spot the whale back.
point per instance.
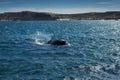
(57, 42)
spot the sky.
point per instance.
(60, 6)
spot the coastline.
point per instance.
(37, 16)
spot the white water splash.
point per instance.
(41, 38)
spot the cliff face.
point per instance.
(27, 16)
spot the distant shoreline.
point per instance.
(37, 16)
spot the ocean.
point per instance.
(93, 53)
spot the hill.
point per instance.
(29, 16)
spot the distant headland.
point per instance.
(31, 16)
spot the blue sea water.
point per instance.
(93, 54)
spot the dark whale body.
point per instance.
(57, 42)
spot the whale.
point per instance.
(57, 42)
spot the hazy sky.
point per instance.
(60, 6)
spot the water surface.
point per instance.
(94, 53)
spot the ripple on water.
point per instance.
(93, 55)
